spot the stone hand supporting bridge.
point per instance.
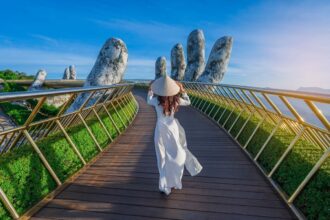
(123, 182)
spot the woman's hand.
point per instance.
(150, 84)
(181, 87)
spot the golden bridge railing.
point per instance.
(267, 105)
(50, 83)
(97, 101)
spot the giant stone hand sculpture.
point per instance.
(66, 74)
(73, 72)
(195, 55)
(70, 73)
(108, 69)
(217, 63)
(38, 80)
(178, 63)
(160, 67)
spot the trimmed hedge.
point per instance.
(314, 200)
(26, 181)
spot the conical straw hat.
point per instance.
(165, 86)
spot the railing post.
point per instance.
(228, 105)
(123, 108)
(8, 205)
(223, 105)
(63, 108)
(89, 131)
(111, 119)
(42, 157)
(243, 126)
(236, 119)
(254, 132)
(286, 152)
(121, 120)
(133, 103)
(233, 104)
(28, 121)
(309, 175)
(80, 109)
(70, 141)
(268, 139)
(202, 95)
(318, 114)
(129, 106)
(102, 124)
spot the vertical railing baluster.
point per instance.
(268, 139)
(67, 137)
(42, 157)
(12, 211)
(309, 175)
(286, 152)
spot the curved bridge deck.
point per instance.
(123, 182)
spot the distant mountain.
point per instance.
(314, 89)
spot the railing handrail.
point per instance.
(12, 96)
(53, 83)
(318, 97)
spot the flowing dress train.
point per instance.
(171, 147)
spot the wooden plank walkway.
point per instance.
(123, 182)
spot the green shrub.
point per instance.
(12, 87)
(20, 112)
(60, 155)
(314, 200)
(24, 178)
(99, 133)
(83, 142)
(13, 75)
(4, 214)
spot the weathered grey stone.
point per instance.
(195, 55)
(70, 73)
(108, 69)
(110, 65)
(66, 74)
(38, 80)
(160, 67)
(218, 61)
(178, 63)
(73, 73)
(57, 101)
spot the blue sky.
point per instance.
(280, 44)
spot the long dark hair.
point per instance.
(169, 103)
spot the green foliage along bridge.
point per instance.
(262, 159)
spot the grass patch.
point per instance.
(314, 200)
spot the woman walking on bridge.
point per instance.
(169, 137)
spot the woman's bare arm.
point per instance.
(184, 100)
(151, 100)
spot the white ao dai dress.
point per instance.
(171, 147)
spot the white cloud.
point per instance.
(21, 56)
(46, 39)
(284, 46)
(149, 30)
(30, 60)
